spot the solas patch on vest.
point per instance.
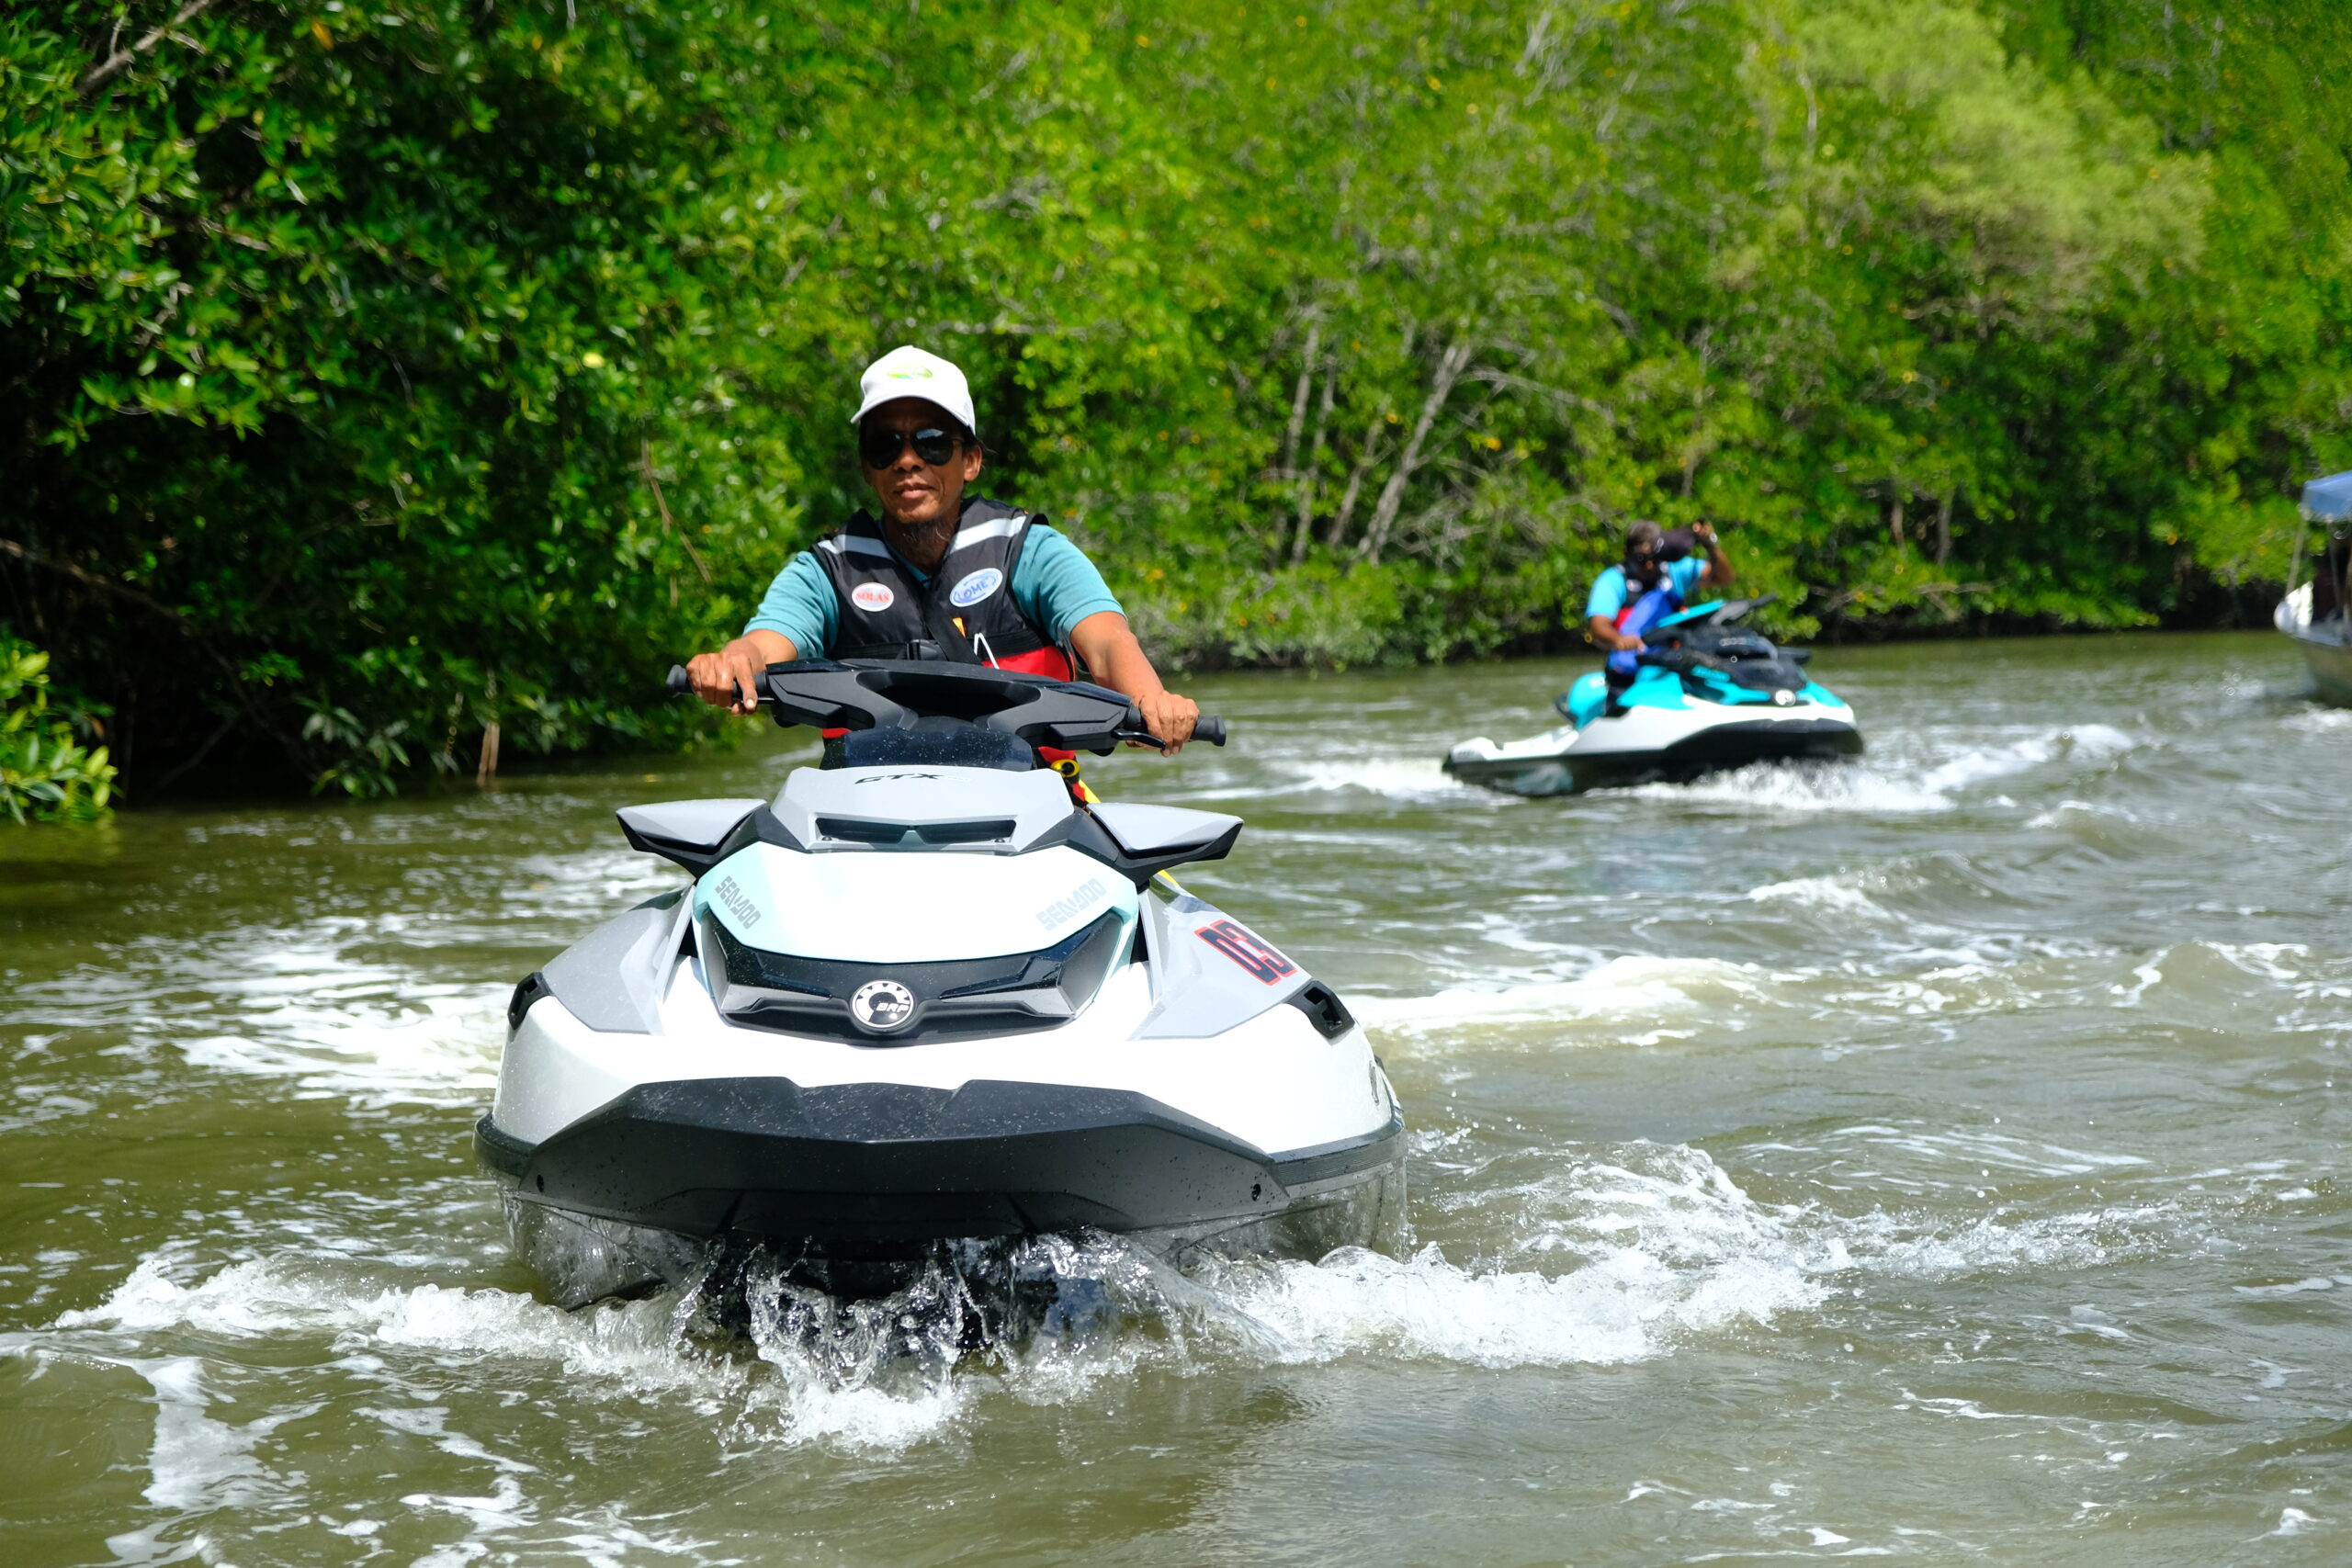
(873, 597)
(976, 587)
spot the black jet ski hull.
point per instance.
(639, 1192)
(1574, 770)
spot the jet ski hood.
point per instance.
(923, 807)
(847, 889)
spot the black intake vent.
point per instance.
(953, 998)
(928, 835)
(532, 988)
(1323, 1006)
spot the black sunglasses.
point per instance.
(879, 448)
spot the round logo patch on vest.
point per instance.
(873, 596)
(975, 587)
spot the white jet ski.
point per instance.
(1707, 694)
(923, 995)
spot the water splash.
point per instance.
(1633, 988)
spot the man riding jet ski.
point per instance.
(1685, 692)
(977, 580)
(923, 994)
(930, 991)
(1661, 574)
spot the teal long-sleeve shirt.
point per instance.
(1054, 584)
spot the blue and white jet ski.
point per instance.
(1707, 693)
(924, 995)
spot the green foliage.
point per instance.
(46, 772)
(370, 360)
(386, 376)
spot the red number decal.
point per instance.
(1246, 950)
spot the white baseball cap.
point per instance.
(908, 372)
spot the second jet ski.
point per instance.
(1707, 693)
(931, 992)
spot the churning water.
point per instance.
(1937, 1157)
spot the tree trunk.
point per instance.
(1450, 367)
(1364, 461)
(1306, 477)
(1298, 401)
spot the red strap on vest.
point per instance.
(1048, 662)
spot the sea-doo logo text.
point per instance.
(739, 903)
(1241, 944)
(874, 596)
(1061, 912)
(882, 1006)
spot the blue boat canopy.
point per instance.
(2330, 499)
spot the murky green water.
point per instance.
(1937, 1158)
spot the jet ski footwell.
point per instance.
(638, 1193)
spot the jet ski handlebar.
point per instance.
(898, 694)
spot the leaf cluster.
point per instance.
(47, 772)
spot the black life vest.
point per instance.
(965, 610)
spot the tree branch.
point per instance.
(669, 525)
(123, 591)
(121, 59)
(1306, 477)
(92, 579)
(1450, 364)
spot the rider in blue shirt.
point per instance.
(969, 578)
(1655, 580)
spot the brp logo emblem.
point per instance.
(1785, 699)
(882, 1006)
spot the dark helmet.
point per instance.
(1649, 547)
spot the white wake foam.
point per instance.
(1834, 894)
(1602, 1258)
(2319, 721)
(1891, 783)
(1804, 787)
(1407, 779)
(1606, 1258)
(328, 1003)
(1634, 987)
(1626, 1309)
